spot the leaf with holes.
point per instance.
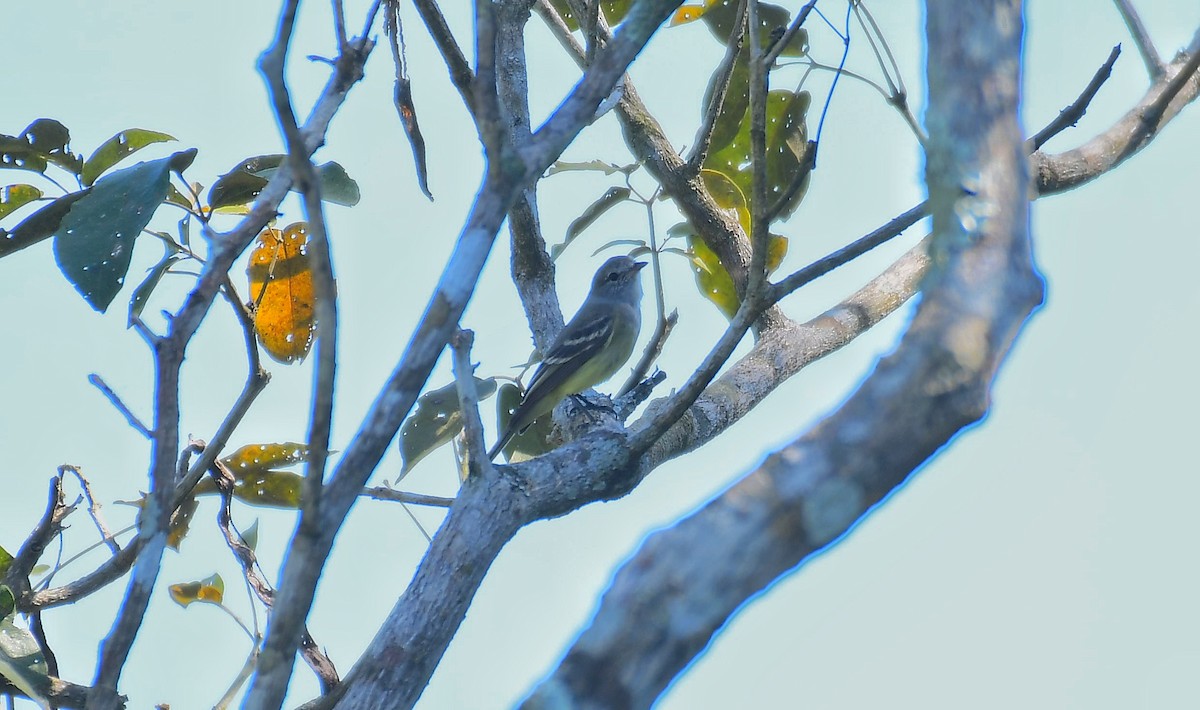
(436, 420)
(39, 225)
(116, 149)
(281, 287)
(256, 478)
(14, 197)
(94, 242)
(22, 662)
(773, 21)
(43, 143)
(210, 590)
(712, 278)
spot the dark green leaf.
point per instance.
(614, 11)
(535, 440)
(612, 197)
(773, 22)
(736, 100)
(8, 600)
(116, 149)
(435, 422)
(250, 535)
(14, 197)
(5, 560)
(242, 185)
(94, 242)
(43, 142)
(39, 225)
(336, 186)
(22, 662)
(147, 286)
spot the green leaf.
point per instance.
(210, 590)
(535, 440)
(639, 243)
(563, 166)
(14, 197)
(435, 421)
(39, 225)
(337, 186)
(116, 149)
(8, 600)
(250, 535)
(712, 278)
(733, 106)
(42, 143)
(242, 185)
(22, 662)
(786, 154)
(94, 242)
(720, 15)
(614, 11)
(5, 560)
(142, 293)
(612, 197)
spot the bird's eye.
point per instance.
(613, 276)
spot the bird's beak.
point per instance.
(639, 265)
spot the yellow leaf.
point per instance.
(686, 14)
(211, 589)
(281, 286)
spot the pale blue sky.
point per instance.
(1046, 560)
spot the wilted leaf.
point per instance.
(281, 286)
(613, 196)
(436, 420)
(210, 590)
(14, 197)
(43, 142)
(181, 520)
(564, 166)
(255, 458)
(94, 242)
(407, 110)
(116, 149)
(255, 478)
(241, 185)
(535, 440)
(22, 662)
(39, 225)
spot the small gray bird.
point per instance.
(590, 349)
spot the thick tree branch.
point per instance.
(1178, 86)
(934, 384)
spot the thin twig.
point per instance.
(1070, 115)
(781, 44)
(391, 494)
(721, 89)
(339, 23)
(460, 70)
(125, 411)
(93, 506)
(1133, 21)
(663, 323)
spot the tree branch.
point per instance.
(1145, 45)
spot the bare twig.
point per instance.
(93, 507)
(468, 401)
(1070, 115)
(125, 411)
(460, 71)
(721, 85)
(1150, 56)
(339, 23)
(663, 323)
(391, 494)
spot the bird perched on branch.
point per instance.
(590, 348)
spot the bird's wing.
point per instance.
(573, 347)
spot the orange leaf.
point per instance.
(281, 286)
